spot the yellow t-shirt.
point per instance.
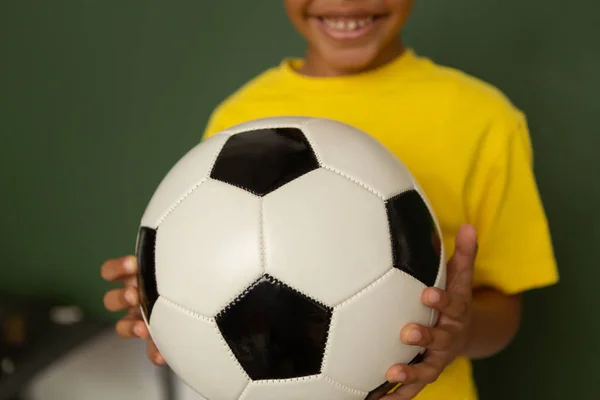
(462, 139)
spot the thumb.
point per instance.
(460, 266)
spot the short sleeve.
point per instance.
(215, 124)
(503, 201)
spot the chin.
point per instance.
(351, 60)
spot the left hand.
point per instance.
(445, 341)
(124, 269)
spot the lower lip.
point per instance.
(346, 35)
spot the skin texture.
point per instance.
(473, 323)
(326, 56)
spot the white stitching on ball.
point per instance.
(181, 308)
(366, 289)
(196, 186)
(345, 388)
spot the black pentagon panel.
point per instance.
(261, 161)
(147, 287)
(416, 244)
(276, 332)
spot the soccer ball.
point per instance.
(280, 259)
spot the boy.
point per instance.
(464, 141)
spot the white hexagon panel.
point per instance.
(349, 151)
(318, 387)
(195, 350)
(208, 250)
(364, 336)
(317, 226)
(192, 169)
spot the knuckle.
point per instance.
(429, 338)
(430, 377)
(448, 341)
(132, 282)
(443, 341)
(426, 342)
(454, 328)
(445, 299)
(464, 306)
(429, 374)
(461, 307)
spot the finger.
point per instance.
(405, 392)
(426, 372)
(134, 313)
(129, 328)
(460, 266)
(131, 281)
(416, 377)
(401, 373)
(450, 304)
(119, 268)
(120, 299)
(436, 339)
(153, 353)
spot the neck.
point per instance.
(316, 65)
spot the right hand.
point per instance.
(124, 269)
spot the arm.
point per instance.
(514, 253)
(495, 320)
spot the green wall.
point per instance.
(99, 98)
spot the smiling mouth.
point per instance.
(347, 24)
(346, 28)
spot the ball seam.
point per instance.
(330, 168)
(185, 310)
(344, 387)
(366, 288)
(263, 244)
(214, 326)
(195, 186)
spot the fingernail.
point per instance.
(158, 359)
(138, 330)
(414, 336)
(433, 296)
(129, 264)
(401, 377)
(130, 296)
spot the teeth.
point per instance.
(347, 24)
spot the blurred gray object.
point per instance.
(33, 336)
(108, 367)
